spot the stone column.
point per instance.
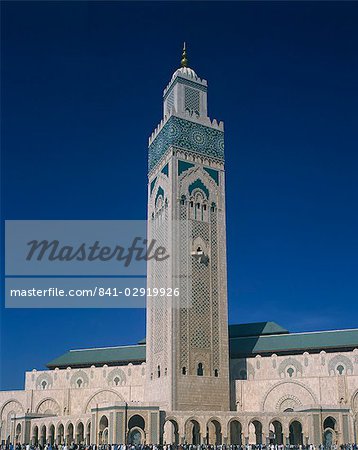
(315, 436)
(94, 429)
(154, 428)
(110, 429)
(286, 433)
(42, 439)
(119, 428)
(202, 437)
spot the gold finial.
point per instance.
(184, 59)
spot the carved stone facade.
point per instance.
(187, 337)
(281, 387)
(264, 401)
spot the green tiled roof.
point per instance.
(250, 329)
(293, 343)
(262, 338)
(100, 356)
(255, 329)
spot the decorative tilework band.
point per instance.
(188, 135)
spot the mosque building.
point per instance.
(194, 379)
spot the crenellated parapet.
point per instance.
(186, 115)
(186, 76)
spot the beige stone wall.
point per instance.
(72, 392)
(201, 393)
(311, 385)
(121, 377)
(277, 383)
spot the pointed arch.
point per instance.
(48, 405)
(11, 405)
(102, 396)
(190, 178)
(290, 388)
(354, 401)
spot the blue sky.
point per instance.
(81, 93)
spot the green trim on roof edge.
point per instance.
(99, 356)
(256, 329)
(293, 343)
(241, 346)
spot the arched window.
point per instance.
(295, 436)
(329, 422)
(216, 373)
(182, 200)
(136, 421)
(183, 370)
(158, 371)
(79, 382)
(290, 371)
(44, 384)
(340, 369)
(116, 381)
(200, 370)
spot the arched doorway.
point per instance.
(103, 431)
(136, 427)
(136, 436)
(192, 432)
(60, 434)
(328, 439)
(88, 433)
(255, 432)
(235, 432)
(213, 432)
(80, 431)
(35, 435)
(171, 432)
(329, 432)
(329, 422)
(296, 437)
(18, 438)
(69, 434)
(276, 435)
(43, 436)
(51, 435)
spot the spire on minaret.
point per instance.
(184, 59)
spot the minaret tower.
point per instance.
(187, 335)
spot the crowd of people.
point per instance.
(74, 446)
